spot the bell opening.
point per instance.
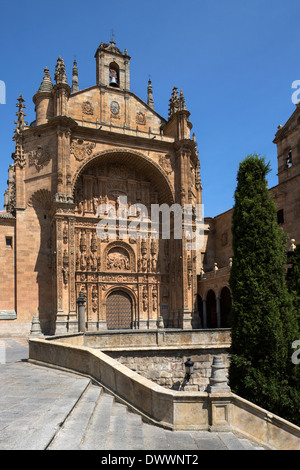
(113, 77)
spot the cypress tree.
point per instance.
(263, 319)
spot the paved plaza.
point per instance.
(43, 408)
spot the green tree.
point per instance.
(294, 279)
(263, 318)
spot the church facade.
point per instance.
(104, 156)
(98, 147)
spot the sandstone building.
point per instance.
(96, 146)
(87, 148)
(213, 288)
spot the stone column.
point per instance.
(81, 300)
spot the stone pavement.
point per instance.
(43, 408)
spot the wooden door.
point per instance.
(118, 311)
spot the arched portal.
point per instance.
(119, 311)
(225, 305)
(129, 261)
(211, 306)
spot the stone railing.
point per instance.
(217, 272)
(215, 411)
(163, 338)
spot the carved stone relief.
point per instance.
(39, 157)
(87, 108)
(81, 149)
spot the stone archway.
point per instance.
(211, 305)
(225, 306)
(119, 310)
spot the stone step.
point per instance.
(72, 432)
(231, 441)
(98, 422)
(135, 435)
(96, 433)
(117, 433)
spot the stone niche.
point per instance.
(166, 367)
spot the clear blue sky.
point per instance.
(234, 60)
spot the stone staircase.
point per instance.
(99, 422)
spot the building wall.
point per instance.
(7, 267)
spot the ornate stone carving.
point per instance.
(115, 108)
(80, 149)
(165, 163)
(140, 118)
(154, 298)
(117, 259)
(94, 299)
(87, 108)
(39, 158)
(145, 299)
(65, 235)
(65, 269)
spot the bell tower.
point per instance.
(112, 66)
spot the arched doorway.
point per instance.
(211, 306)
(119, 311)
(225, 304)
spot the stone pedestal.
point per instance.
(36, 328)
(218, 380)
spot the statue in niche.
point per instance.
(65, 268)
(144, 263)
(154, 298)
(145, 299)
(154, 264)
(83, 255)
(94, 299)
(95, 204)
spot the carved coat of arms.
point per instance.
(80, 149)
(39, 158)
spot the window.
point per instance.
(280, 217)
(289, 160)
(8, 241)
(114, 75)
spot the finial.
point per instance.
(46, 84)
(112, 41)
(174, 102)
(293, 246)
(75, 86)
(150, 101)
(181, 100)
(21, 123)
(60, 71)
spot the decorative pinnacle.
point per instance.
(20, 123)
(75, 85)
(177, 103)
(150, 101)
(60, 71)
(46, 85)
